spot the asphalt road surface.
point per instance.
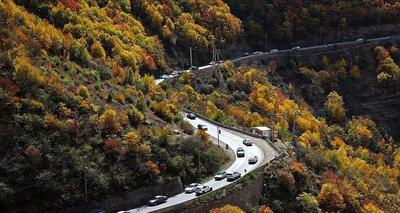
(239, 165)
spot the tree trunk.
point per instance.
(136, 6)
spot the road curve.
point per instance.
(240, 164)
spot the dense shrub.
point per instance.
(186, 127)
(26, 74)
(79, 53)
(113, 120)
(97, 50)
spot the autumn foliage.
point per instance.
(227, 209)
(341, 164)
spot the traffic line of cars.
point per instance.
(200, 189)
(178, 72)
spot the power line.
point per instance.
(366, 105)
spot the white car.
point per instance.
(164, 76)
(274, 50)
(232, 176)
(247, 142)
(253, 159)
(296, 48)
(193, 68)
(191, 187)
(202, 189)
(191, 116)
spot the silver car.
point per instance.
(232, 176)
(253, 159)
(296, 48)
(191, 187)
(240, 152)
(247, 142)
(157, 200)
(220, 176)
(201, 189)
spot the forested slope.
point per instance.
(316, 21)
(78, 100)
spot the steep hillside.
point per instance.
(76, 105)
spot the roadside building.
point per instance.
(262, 131)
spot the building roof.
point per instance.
(261, 128)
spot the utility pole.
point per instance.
(266, 42)
(218, 132)
(198, 147)
(293, 130)
(218, 55)
(84, 174)
(213, 56)
(191, 58)
(273, 128)
(195, 57)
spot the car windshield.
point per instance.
(193, 185)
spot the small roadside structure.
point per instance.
(262, 131)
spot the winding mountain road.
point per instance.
(265, 154)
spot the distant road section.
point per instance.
(294, 50)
